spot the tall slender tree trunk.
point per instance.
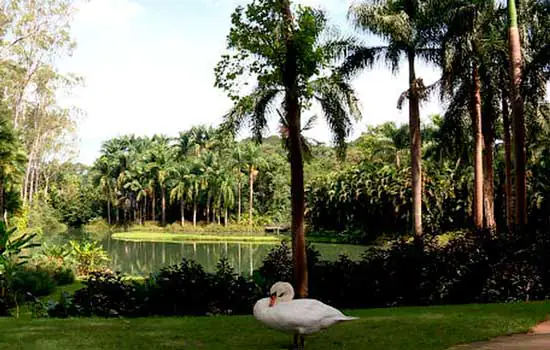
(508, 178)
(207, 209)
(32, 189)
(478, 150)
(144, 216)
(518, 118)
(182, 211)
(251, 193)
(153, 206)
(163, 203)
(416, 149)
(292, 106)
(239, 196)
(195, 213)
(488, 171)
(109, 211)
(225, 217)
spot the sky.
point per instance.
(148, 67)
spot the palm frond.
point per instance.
(358, 59)
(379, 19)
(252, 109)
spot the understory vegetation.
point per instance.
(465, 269)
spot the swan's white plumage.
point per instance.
(302, 316)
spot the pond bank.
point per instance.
(144, 236)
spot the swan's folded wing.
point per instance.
(307, 313)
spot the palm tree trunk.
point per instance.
(153, 206)
(292, 106)
(508, 187)
(416, 149)
(144, 216)
(207, 209)
(239, 195)
(225, 218)
(182, 210)
(163, 203)
(518, 118)
(195, 213)
(251, 194)
(109, 211)
(489, 172)
(475, 113)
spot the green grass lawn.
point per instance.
(195, 237)
(428, 328)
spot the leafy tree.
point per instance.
(12, 164)
(282, 48)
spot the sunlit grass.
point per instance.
(422, 328)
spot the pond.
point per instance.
(142, 258)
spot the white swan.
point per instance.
(300, 316)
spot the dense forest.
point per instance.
(481, 164)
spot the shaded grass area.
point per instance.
(195, 237)
(428, 328)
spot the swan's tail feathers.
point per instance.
(348, 318)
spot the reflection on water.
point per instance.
(142, 258)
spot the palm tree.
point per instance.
(196, 185)
(385, 142)
(238, 166)
(291, 58)
(103, 177)
(254, 161)
(161, 163)
(407, 26)
(180, 188)
(467, 55)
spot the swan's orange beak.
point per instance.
(272, 299)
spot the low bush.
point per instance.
(37, 282)
(183, 289)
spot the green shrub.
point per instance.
(37, 282)
(57, 260)
(89, 257)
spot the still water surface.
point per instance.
(142, 258)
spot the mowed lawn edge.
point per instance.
(422, 328)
